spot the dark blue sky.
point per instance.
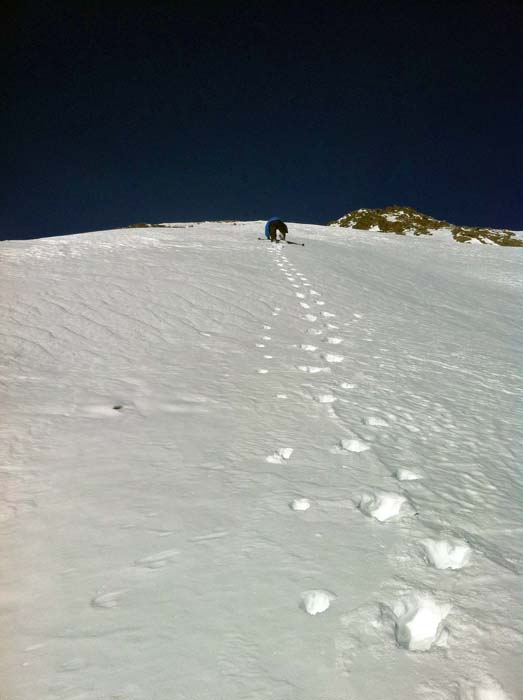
(172, 111)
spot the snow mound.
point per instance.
(300, 504)
(382, 505)
(418, 622)
(406, 475)
(316, 601)
(447, 554)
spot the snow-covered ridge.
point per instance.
(408, 221)
(234, 469)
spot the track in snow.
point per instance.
(250, 475)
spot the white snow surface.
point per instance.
(149, 550)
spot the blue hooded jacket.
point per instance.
(268, 225)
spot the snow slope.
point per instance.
(238, 470)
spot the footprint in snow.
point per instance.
(260, 345)
(353, 445)
(316, 601)
(280, 456)
(106, 600)
(311, 318)
(74, 664)
(326, 398)
(384, 505)
(314, 293)
(320, 303)
(184, 405)
(277, 308)
(403, 474)
(333, 341)
(330, 357)
(262, 371)
(157, 560)
(327, 314)
(266, 337)
(309, 348)
(113, 410)
(447, 554)
(346, 385)
(418, 621)
(281, 396)
(163, 533)
(304, 305)
(487, 689)
(268, 357)
(376, 421)
(267, 328)
(300, 504)
(314, 331)
(300, 295)
(313, 370)
(332, 327)
(209, 536)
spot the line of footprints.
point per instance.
(417, 619)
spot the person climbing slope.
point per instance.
(273, 227)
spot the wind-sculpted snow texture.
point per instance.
(232, 469)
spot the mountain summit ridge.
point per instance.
(404, 220)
